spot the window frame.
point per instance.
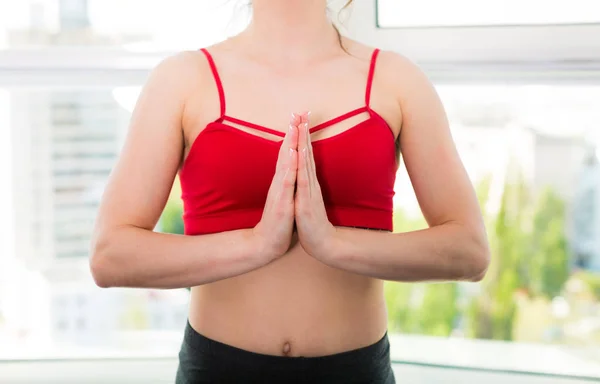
(539, 44)
(98, 68)
(416, 362)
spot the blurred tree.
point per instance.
(398, 299)
(529, 253)
(549, 263)
(429, 309)
(171, 220)
(438, 312)
(591, 281)
(491, 314)
(399, 296)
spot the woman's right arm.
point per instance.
(125, 250)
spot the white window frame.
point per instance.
(75, 67)
(553, 53)
(550, 53)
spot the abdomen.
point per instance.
(296, 299)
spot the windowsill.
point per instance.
(496, 355)
(553, 360)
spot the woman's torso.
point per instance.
(295, 301)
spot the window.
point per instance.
(463, 13)
(65, 143)
(542, 171)
(136, 25)
(532, 152)
(526, 126)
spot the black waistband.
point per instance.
(374, 354)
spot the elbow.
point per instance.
(478, 260)
(101, 263)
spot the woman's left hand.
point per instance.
(315, 232)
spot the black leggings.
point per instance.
(202, 360)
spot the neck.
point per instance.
(295, 29)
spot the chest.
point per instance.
(236, 168)
(252, 95)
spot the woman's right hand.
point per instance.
(274, 231)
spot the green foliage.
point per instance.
(420, 308)
(549, 263)
(483, 194)
(429, 309)
(398, 299)
(171, 220)
(592, 282)
(438, 312)
(529, 252)
(405, 223)
(492, 314)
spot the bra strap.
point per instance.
(257, 127)
(215, 73)
(370, 78)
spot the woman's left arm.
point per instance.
(455, 246)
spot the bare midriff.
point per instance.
(295, 306)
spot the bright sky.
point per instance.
(176, 24)
(485, 12)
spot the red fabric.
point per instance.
(228, 172)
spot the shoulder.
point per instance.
(392, 68)
(402, 73)
(410, 81)
(182, 71)
(407, 82)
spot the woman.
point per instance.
(288, 225)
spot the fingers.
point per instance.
(312, 170)
(303, 178)
(289, 144)
(289, 179)
(287, 164)
(303, 134)
(293, 131)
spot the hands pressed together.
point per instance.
(295, 197)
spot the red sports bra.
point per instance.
(226, 176)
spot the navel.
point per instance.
(287, 348)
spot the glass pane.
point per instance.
(138, 25)
(434, 13)
(532, 153)
(62, 145)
